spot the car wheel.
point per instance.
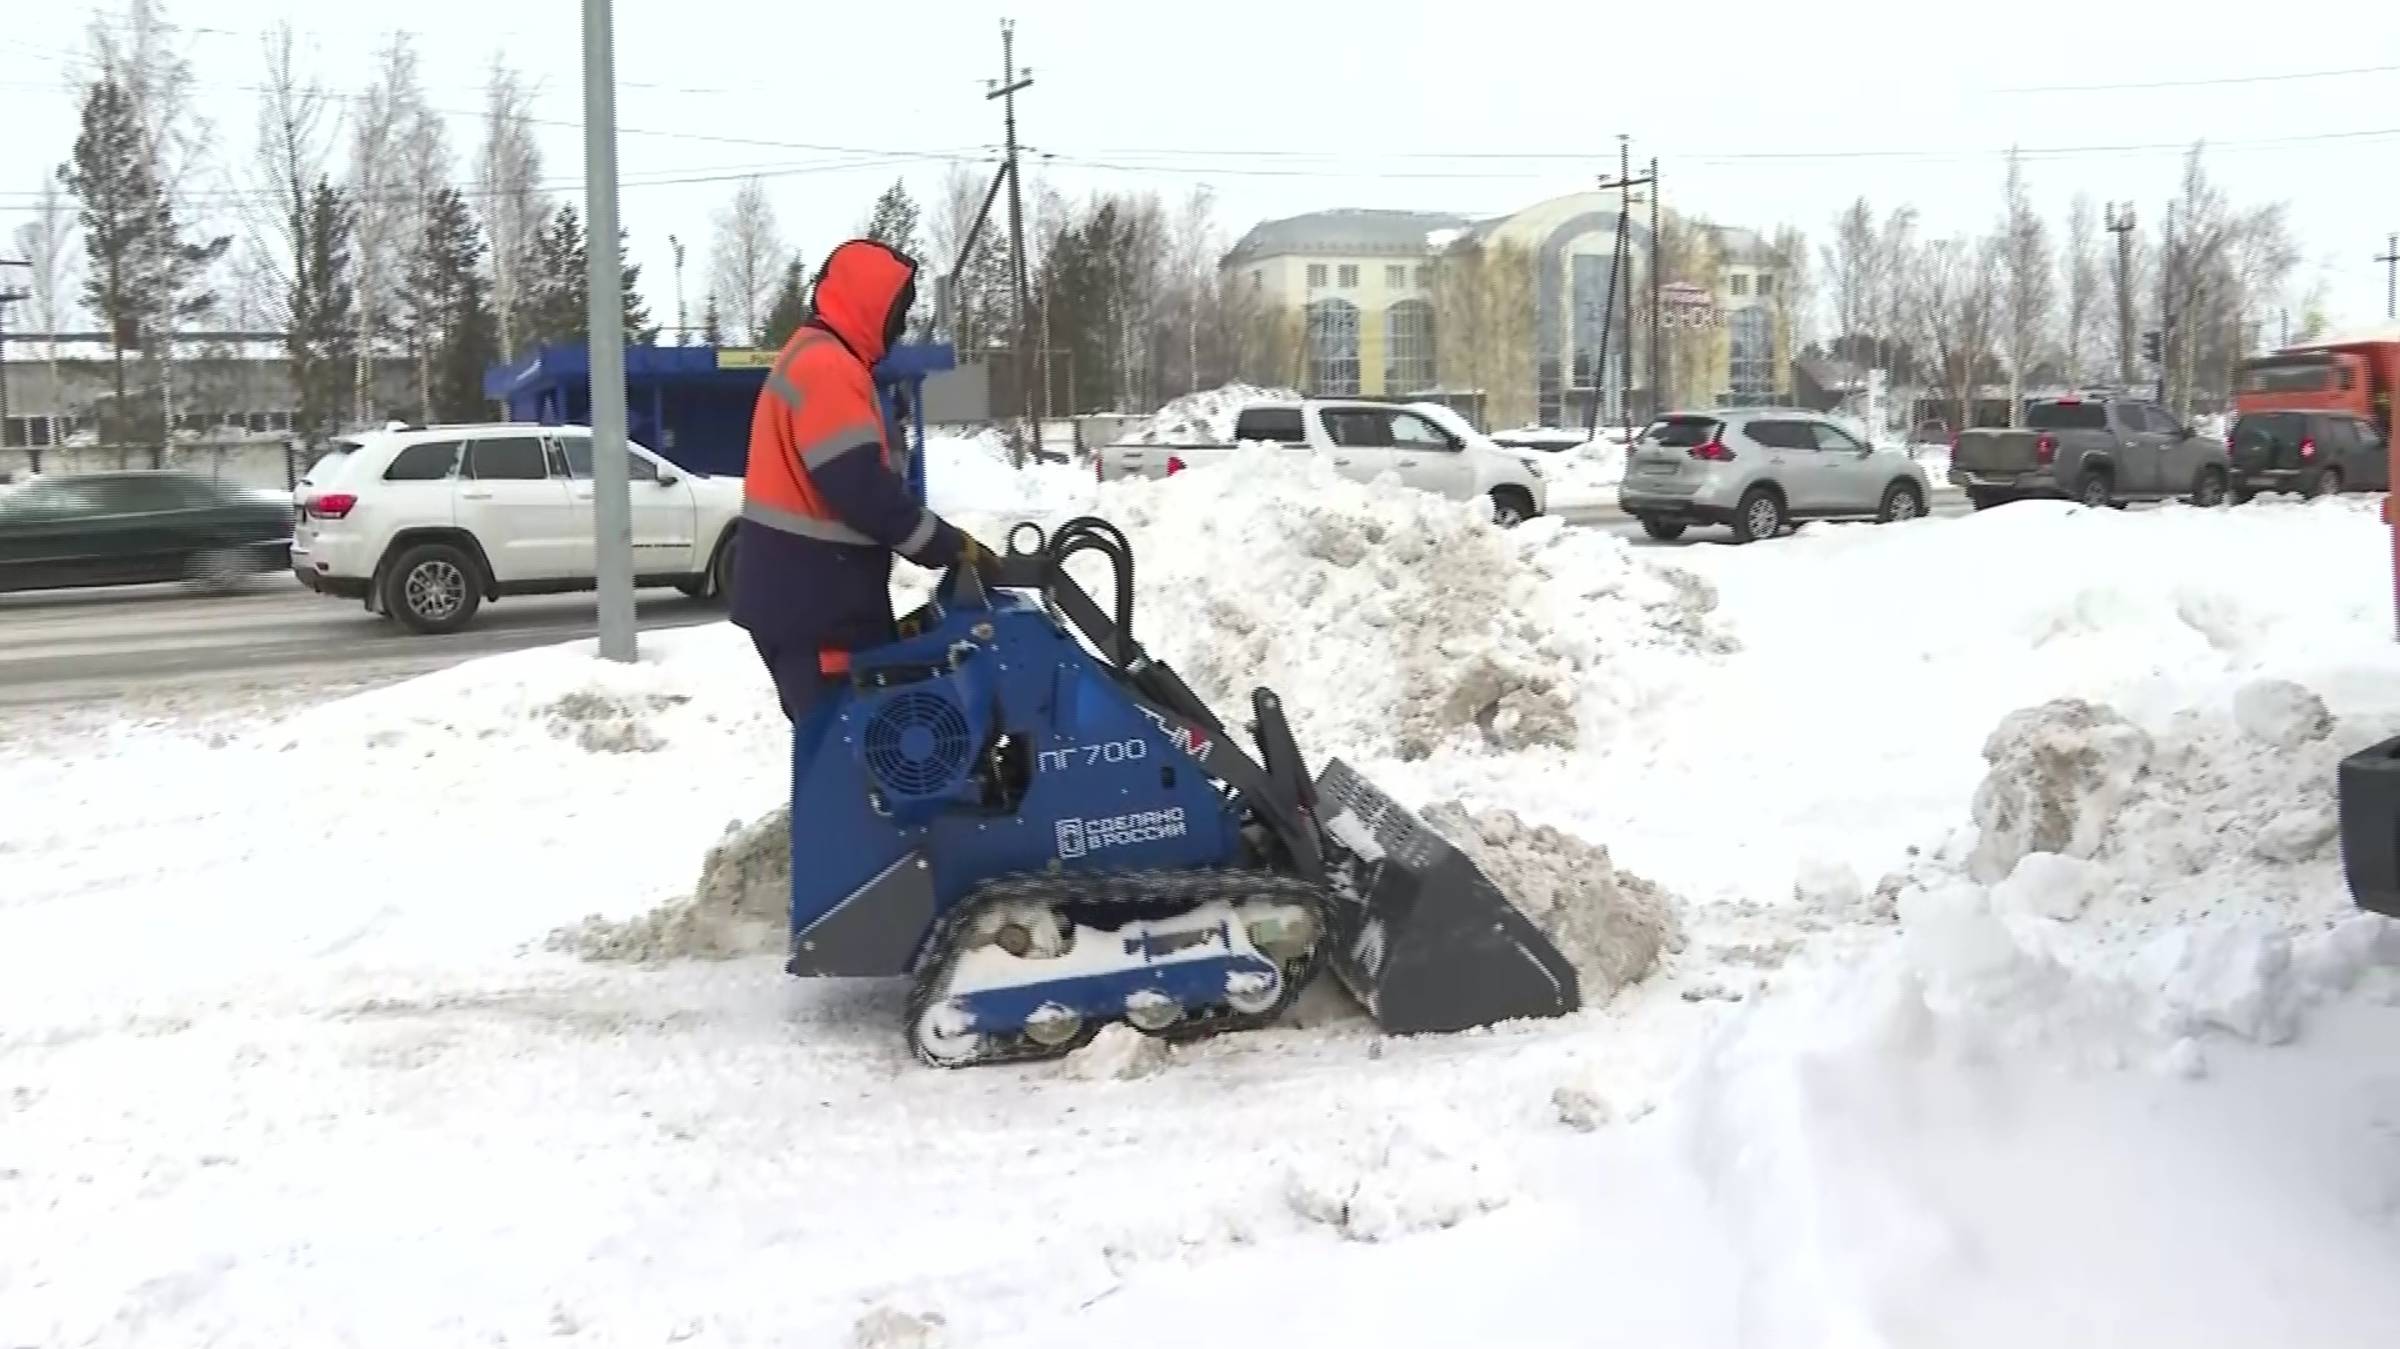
(2241, 494)
(217, 571)
(720, 572)
(1663, 529)
(1511, 507)
(2096, 490)
(1758, 516)
(2210, 489)
(2328, 482)
(1901, 501)
(1984, 501)
(433, 588)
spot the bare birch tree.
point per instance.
(2029, 285)
(748, 260)
(1850, 264)
(291, 158)
(1957, 301)
(509, 198)
(379, 187)
(2086, 273)
(144, 54)
(47, 242)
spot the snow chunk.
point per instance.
(2058, 773)
(1119, 1053)
(891, 1328)
(1611, 924)
(2281, 713)
(1408, 1177)
(2048, 885)
(741, 907)
(1581, 1106)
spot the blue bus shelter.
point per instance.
(692, 405)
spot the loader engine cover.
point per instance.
(991, 744)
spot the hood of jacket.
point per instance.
(863, 294)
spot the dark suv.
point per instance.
(2312, 453)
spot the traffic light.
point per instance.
(2150, 351)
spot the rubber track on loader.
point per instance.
(1101, 898)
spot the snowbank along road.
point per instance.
(64, 646)
(1999, 986)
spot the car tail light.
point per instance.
(332, 505)
(1714, 452)
(2045, 449)
(2308, 448)
(1175, 465)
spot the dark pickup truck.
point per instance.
(2099, 451)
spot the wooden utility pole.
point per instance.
(2120, 224)
(1623, 185)
(1011, 80)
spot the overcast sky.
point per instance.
(1760, 114)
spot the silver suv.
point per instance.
(1761, 470)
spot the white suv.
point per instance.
(426, 523)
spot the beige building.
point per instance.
(1506, 315)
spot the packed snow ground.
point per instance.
(2017, 999)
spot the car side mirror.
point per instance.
(666, 479)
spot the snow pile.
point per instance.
(741, 907)
(1204, 418)
(1412, 622)
(2227, 809)
(971, 476)
(1971, 1143)
(1612, 925)
(1403, 1177)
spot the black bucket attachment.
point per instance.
(1420, 935)
(2370, 793)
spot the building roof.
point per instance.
(1345, 231)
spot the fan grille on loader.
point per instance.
(917, 744)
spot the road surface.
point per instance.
(89, 646)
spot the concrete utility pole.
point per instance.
(612, 507)
(2390, 258)
(2120, 224)
(8, 297)
(1658, 385)
(1011, 80)
(683, 327)
(2166, 302)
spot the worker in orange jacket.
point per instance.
(823, 505)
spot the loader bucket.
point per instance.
(1420, 935)
(2368, 785)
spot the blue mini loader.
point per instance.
(1018, 808)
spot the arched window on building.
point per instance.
(1333, 348)
(1408, 347)
(1752, 356)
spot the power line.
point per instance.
(2207, 83)
(236, 196)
